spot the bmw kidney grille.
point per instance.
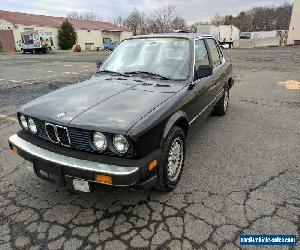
(58, 134)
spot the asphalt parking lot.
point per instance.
(241, 176)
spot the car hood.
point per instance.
(102, 102)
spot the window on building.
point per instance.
(28, 29)
(89, 46)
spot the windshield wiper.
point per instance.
(112, 72)
(147, 73)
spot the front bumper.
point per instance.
(54, 166)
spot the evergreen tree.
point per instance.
(67, 35)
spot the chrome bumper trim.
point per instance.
(70, 161)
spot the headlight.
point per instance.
(23, 122)
(121, 144)
(31, 125)
(99, 141)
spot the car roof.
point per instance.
(174, 35)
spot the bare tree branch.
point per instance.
(178, 23)
(89, 15)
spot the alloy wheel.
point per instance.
(175, 159)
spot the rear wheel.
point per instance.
(222, 106)
(172, 163)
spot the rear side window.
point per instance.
(201, 56)
(215, 54)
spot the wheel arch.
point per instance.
(179, 119)
(230, 82)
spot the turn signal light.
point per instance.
(14, 149)
(103, 179)
(152, 165)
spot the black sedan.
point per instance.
(128, 123)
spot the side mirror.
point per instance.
(203, 71)
(98, 63)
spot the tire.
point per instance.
(222, 105)
(169, 174)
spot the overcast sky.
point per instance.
(191, 10)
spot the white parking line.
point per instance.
(13, 119)
(30, 81)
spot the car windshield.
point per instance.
(167, 58)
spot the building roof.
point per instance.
(51, 21)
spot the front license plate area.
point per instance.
(81, 185)
(49, 171)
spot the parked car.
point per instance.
(127, 125)
(108, 44)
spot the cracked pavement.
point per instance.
(241, 175)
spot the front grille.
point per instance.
(63, 135)
(76, 138)
(50, 129)
(80, 139)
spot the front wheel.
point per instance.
(222, 106)
(172, 163)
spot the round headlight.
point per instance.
(121, 144)
(31, 125)
(99, 141)
(23, 122)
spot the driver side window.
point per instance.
(201, 55)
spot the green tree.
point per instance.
(67, 35)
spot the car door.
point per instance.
(218, 63)
(201, 95)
